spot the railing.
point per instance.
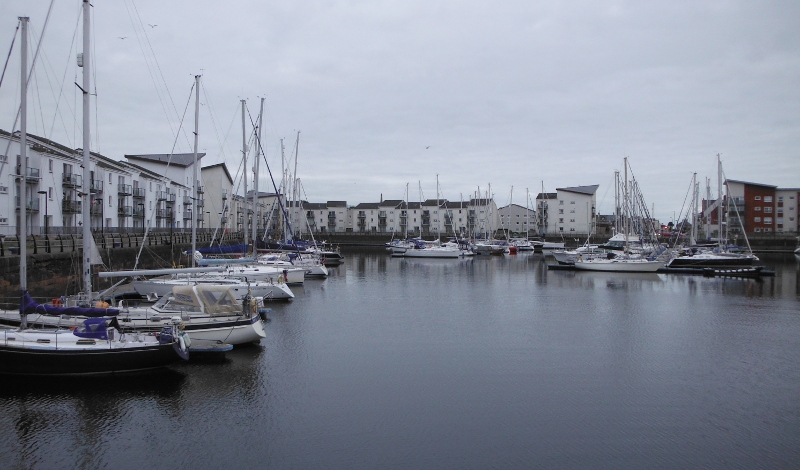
(124, 190)
(71, 207)
(200, 190)
(201, 203)
(163, 214)
(171, 197)
(225, 195)
(70, 180)
(30, 206)
(138, 212)
(96, 209)
(96, 186)
(187, 200)
(187, 215)
(125, 211)
(161, 195)
(139, 193)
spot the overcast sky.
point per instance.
(515, 94)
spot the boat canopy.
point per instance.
(31, 306)
(220, 249)
(209, 298)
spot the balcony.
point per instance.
(30, 206)
(124, 190)
(138, 212)
(171, 197)
(201, 203)
(187, 200)
(223, 220)
(70, 180)
(32, 175)
(200, 190)
(96, 186)
(71, 207)
(138, 193)
(161, 195)
(163, 214)
(224, 195)
(187, 215)
(200, 216)
(124, 211)
(96, 209)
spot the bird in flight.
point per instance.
(152, 25)
(122, 37)
(426, 148)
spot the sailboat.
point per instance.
(625, 261)
(96, 346)
(694, 256)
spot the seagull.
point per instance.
(152, 25)
(122, 37)
(426, 148)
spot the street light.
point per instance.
(45, 211)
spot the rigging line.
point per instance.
(213, 122)
(272, 179)
(149, 69)
(169, 160)
(158, 66)
(96, 133)
(8, 57)
(28, 79)
(48, 68)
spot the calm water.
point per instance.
(484, 363)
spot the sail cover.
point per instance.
(31, 306)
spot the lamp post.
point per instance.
(45, 210)
(208, 213)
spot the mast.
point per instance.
(23, 155)
(86, 63)
(625, 201)
(437, 208)
(283, 190)
(194, 167)
(259, 135)
(295, 193)
(719, 202)
(244, 178)
(695, 194)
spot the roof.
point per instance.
(392, 203)
(750, 184)
(588, 190)
(212, 167)
(547, 196)
(315, 206)
(368, 205)
(337, 203)
(177, 159)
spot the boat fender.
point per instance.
(254, 304)
(280, 278)
(186, 339)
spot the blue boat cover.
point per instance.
(31, 306)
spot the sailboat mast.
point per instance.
(23, 155)
(625, 201)
(719, 202)
(295, 192)
(194, 167)
(87, 196)
(695, 194)
(244, 177)
(259, 135)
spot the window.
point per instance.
(109, 201)
(50, 165)
(757, 198)
(758, 229)
(109, 178)
(571, 229)
(768, 210)
(757, 208)
(768, 220)
(560, 203)
(757, 219)
(561, 211)
(767, 198)
(572, 202)
(50, 193)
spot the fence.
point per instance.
(67, 243)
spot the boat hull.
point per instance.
(614, 265)
(16, 360)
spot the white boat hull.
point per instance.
(619, 265)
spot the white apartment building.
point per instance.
(567, 211)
